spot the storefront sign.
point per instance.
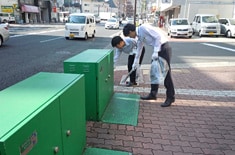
(8, 9)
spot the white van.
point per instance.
(206, 24)
(80, 25)
(7, 17)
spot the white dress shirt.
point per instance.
(149, 35)
(128, 48)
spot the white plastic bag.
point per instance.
(158, 71)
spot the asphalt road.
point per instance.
(43, 48)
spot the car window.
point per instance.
(180, 22)
(232, 21)
(198, 19)
(209, 19)
(112, 20)
(222, 21)
(77, 19)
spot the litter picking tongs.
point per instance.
(124, 79)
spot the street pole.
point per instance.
(185, 7)
(135, 13)
(233, 8)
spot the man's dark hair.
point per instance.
(116, 40)
(127, 28)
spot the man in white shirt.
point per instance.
(128, 46)
(149, 35)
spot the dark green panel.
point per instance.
(30, 110)
(102, 87)
(89, 70)
(97, 66)
(39, 133)
(73, 118)
(23, 98)
(90, 56)
(122, 109)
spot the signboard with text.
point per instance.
(8, 9)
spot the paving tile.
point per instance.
(201, 121)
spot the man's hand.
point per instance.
(155, 55)
(135, 66)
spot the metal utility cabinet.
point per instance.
(43, 115)
(97, 66)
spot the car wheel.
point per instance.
(67, 38)
(86, 36)
(190, 37)
(228, 34)
(200, 34)
(93, 35)
(0, 41)
(193, 32)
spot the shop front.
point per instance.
(30, 13)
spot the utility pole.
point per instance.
(135, 13)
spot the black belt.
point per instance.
(164, 44)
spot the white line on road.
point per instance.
(34, 33)
(221, 47)
(43, 41)
(44, 32)
(116, 34)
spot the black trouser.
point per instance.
(168, 83)
(131, 59)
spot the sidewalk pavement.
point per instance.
(200, 122)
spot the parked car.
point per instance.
(179, 27)
(80, 25)
(97, 19)
(128, 21)
(112, 23)
(4, 33)
(227, 27)
(206, 24)
(7, 17)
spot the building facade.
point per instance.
(35, 11)
(30, 11)
(188, 8)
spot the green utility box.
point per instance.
(44, 115)
(97, 66)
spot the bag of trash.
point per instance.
(158, 71)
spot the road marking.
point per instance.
(116, 34)
(221, 47)
(21, 35)
(43, 41)
(44, 32)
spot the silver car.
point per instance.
(179, 27)
(112, 23)
(227, 27)
(4, 33)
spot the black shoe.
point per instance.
(150, 96)
(129, 84)
(168, 102)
